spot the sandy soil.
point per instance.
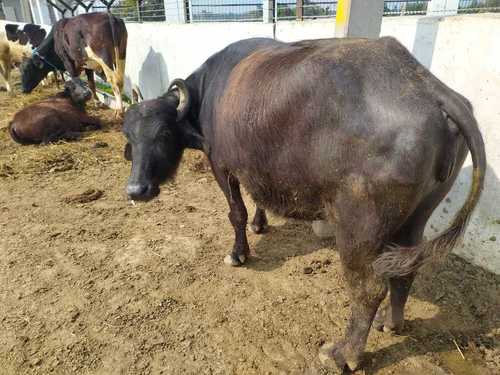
(91, 284)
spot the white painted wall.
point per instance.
(461, 50)
(159, 52)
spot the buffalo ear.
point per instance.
(127, 152)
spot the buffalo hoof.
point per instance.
(383, 322)
(234, 260)
(323, 229)
(259, 228)
(332, 356)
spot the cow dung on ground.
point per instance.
(87, 196)
(110, 287)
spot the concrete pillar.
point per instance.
(26, 11)
(267, 11)
(44, 11)
(442, 7)
(175, 11)
(359, 18)
(299, 10)
(35, 11)
(40, 12)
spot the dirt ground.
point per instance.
(92, 284)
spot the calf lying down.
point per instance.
(59, 117)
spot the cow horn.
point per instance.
(184, 97)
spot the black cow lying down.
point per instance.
(353, 131)
(59, 117)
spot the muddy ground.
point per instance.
(92, 284)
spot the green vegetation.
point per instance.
(107, 89)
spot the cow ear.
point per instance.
(127, 152)
(37, 61)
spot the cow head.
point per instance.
(33, 71)
(155, 145)
(77, 90)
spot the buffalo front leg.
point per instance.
(237, 216)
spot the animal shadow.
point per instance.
(466, 297)
(293, 238)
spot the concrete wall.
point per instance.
(461, 50)
(162, 52)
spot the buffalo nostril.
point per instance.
(136, 190)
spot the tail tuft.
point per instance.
(398, 261)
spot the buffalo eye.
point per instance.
(127, 152)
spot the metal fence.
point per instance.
(193, 11)
(135, 11)
(402, 8)
(224, 10)
(290, 10)
(477, 6)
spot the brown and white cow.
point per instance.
(91, 42)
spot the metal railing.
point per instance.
(403, 8)
(224, 10)
(288, 9)
(194, 11)
(151, 11)
(478, 6)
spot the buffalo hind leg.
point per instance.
(359, 233)
(238, 215)
(259, 223)
(390, 318)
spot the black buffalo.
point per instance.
(353, 131)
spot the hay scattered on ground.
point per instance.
(57, 157)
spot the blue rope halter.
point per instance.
(35, 53)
